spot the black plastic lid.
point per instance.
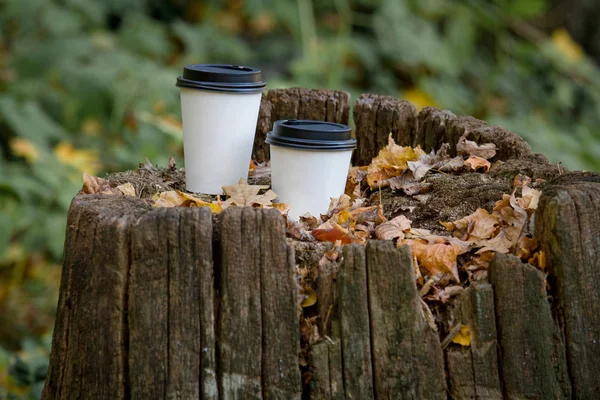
(311, 135)
(222, 78)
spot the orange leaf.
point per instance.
(437, 257)
(477, 226)
(391, 161)
(331, 231)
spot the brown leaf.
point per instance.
(393, 228)
(470, 148)
(95, 185)
(308, 222)
(437, 257)
(415, 188)
(353, 182)
(529, 198)
(399, 182)
(475, 163)
(526, 248)
(391, 161)
(337, 204)
(500, 244)
(295, 230)
(478, 226)
(363, 215)
(244, 195)
(455, 164)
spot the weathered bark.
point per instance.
(407, 355)
(260, 152)
(326, 365)
(136, 315)
(298, 103)
(353, 312)
(568, 230)
(431, 132)
(473, 371)
(533, 362)
(376, 117)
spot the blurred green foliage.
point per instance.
(88, 85)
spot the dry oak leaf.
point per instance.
(337, 204)
(526, 247)
(244, 195)
(463, 336)
(393, 228)
(437, 254)
(308, 221)
(297, 231)
(478, 226)
(500, 243)
(470, 148)
(175, 198)
(95, 185)
(475, 163)
(391, 161)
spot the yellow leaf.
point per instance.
(127, 189)
(566, 45)
(24, 148)
(310, 299)
(391, 161)
(419, 98)
(463, 337)
(80, 159)
(175, 198)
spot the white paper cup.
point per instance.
(219, 109)
(309, 163)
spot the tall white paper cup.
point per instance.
(219, 109)
(309, 163)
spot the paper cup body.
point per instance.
(307, 180)
(218, 135)
(309, 163)
(219, 110)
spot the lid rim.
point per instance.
(311, 135)
(221, 78)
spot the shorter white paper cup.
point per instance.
(307, 170)
(219, 110)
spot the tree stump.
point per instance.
(297, 103)
(568, 228)
(154, 304)
(178, 303)
(376, 117)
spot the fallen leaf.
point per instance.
(310, 297)
(529, 198)
(176, 198)
(463, 337)
(282, 208)
(393, 228)
(308, 221)
(526, 247)
(470, 148)
(368, 214)
(416, 188)
(520, 180)
(437, 257)
(391, 161)
(478, 226)
(297, 231)
(500, 243)
(244, 195)
(127, 189)
(338, 203)
(539, 260)
(95, 185)
(455, 164)
(331, 231)
(476, 163)
(398, 182)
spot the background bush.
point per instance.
(88, 85)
